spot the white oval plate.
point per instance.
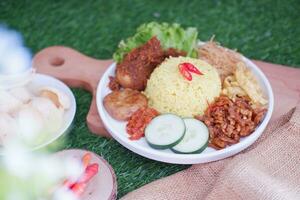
(41, 80)
(118, 131)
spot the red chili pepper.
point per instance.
(185, 73)
(67, 183)
(191, 68)
(78, 188)
(90, 171)
(86, 159)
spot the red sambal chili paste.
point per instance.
(138, 122)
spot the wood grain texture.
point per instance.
(80, 71)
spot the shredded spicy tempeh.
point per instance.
(228, 120)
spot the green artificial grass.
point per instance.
(261, 29)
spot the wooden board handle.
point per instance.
(77, 71)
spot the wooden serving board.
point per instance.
(80, 71)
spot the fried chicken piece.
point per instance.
(123, 103)
(137, 66)
(113, 84)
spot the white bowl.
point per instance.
(39, 81)
(118, 131)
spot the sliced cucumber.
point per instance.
(165, 131)
(195, 139)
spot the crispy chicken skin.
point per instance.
(123, 103)
(137, 66)
(113, 84)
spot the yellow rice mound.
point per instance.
(169, 92)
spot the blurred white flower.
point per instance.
(63, 194)
(36, 173)
(14, 195)
(26, 175)
(17, 160)
(14, 57)
(9, 39)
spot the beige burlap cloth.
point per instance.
(269, 169)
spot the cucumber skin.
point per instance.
(193, 152)
(161, 147)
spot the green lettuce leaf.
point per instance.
(170, 35)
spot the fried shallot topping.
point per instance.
(228, 120)
(223, 59)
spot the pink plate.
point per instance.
(104, 185)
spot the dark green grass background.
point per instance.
(260, 29)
